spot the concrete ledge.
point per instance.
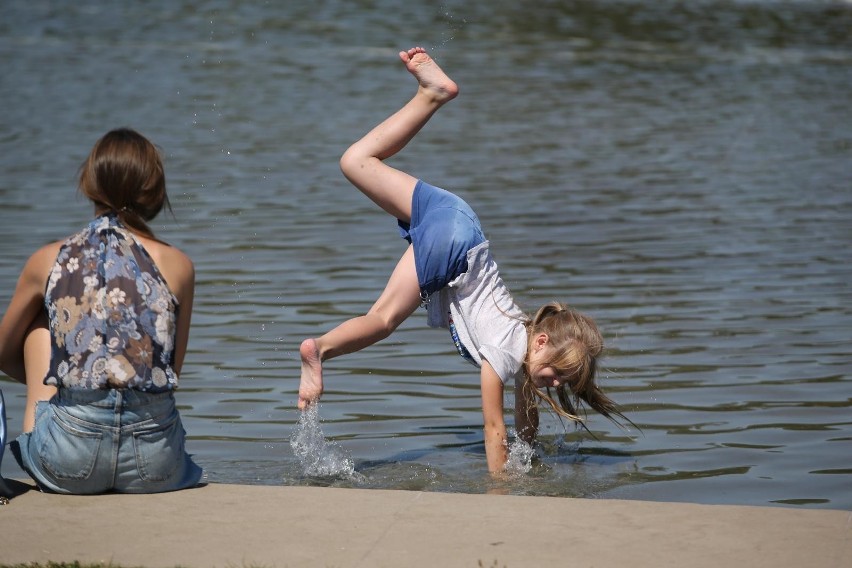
(243, 525)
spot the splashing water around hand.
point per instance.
(318, 456)
(520, 457)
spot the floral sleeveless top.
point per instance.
(112, 315)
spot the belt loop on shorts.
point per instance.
(119, 403)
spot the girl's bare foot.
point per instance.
(310, 386)
(433, 81)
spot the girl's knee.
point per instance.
(350, 162)
(383, 323)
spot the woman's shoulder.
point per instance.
(174, 255)
(45, 256)
(50, 250)
(39, 265)
(164, 253)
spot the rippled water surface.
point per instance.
(679, 170)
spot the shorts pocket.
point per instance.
(68, 449)
(159, 449)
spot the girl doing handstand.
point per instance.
(448, 265)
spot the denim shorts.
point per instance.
(443, 228)
(97, 441)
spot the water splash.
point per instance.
(318, 456)
(520, 459)
(454, 27)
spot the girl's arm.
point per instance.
(496, 449)
(526, 413)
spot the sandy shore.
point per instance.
(242, 525)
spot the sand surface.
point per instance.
(243, 525)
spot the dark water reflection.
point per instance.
(680, 170)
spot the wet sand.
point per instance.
(244, 525)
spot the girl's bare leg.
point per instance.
(36, 365)
(362, 163)
(392, 190)
(398, 301)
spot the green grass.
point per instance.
(78, 564)
(60, 565)
(64, 565)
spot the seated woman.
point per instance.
(97, 329)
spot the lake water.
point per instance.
(682, 171)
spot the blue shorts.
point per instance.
(443, 228)
(97, 441)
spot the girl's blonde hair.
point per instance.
(124, 173)
(577, 345)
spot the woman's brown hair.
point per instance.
(124, 173)
(576, 346)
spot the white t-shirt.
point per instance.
(487, 322)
